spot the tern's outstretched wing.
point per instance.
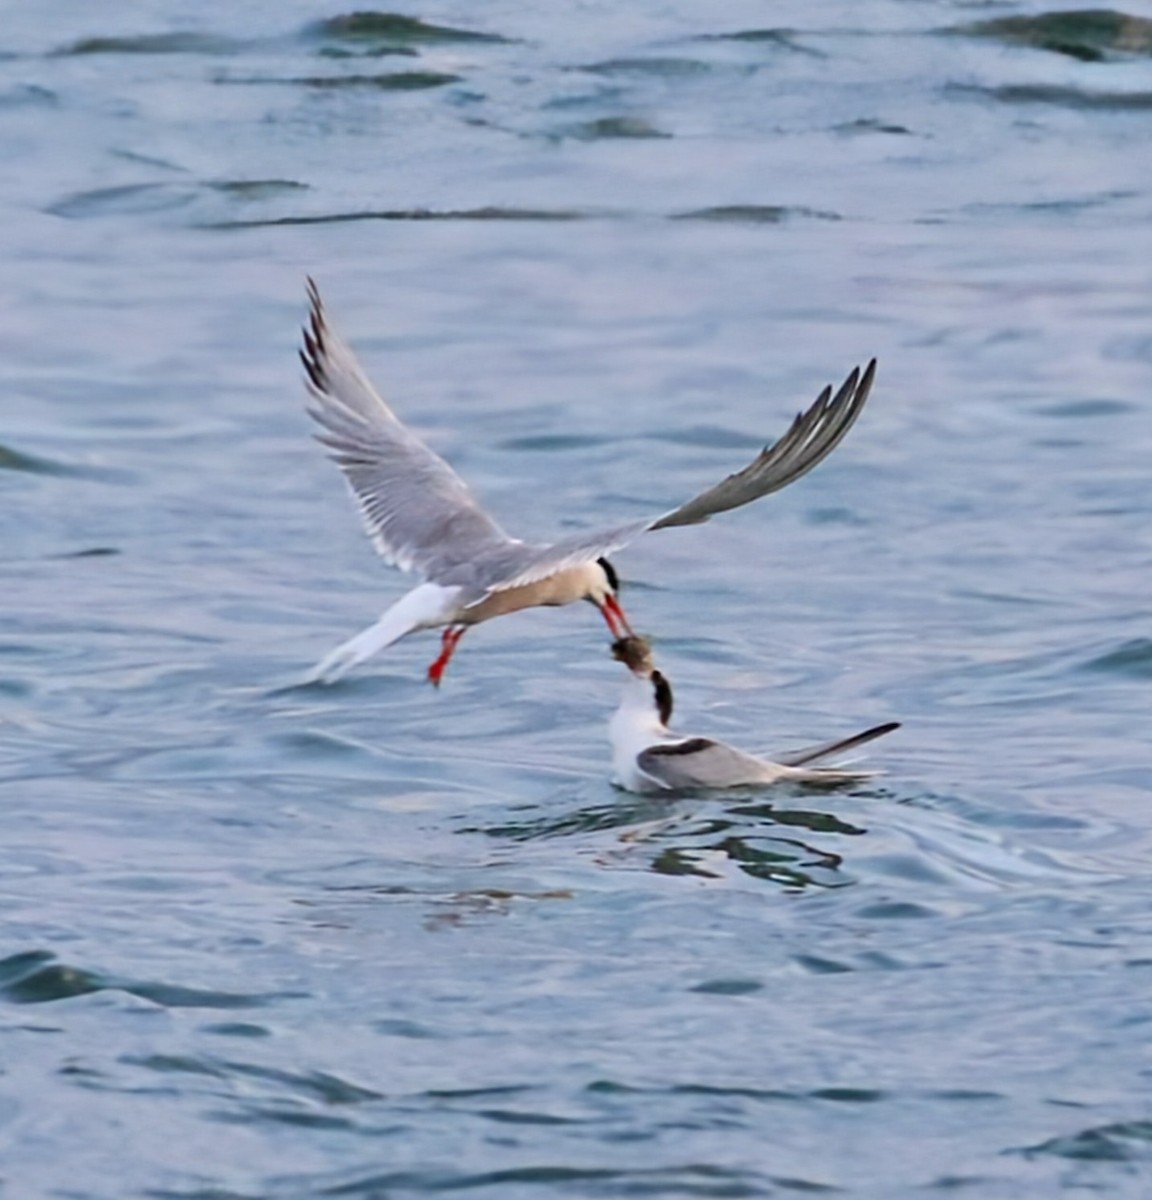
(417, 510)
(812, 436)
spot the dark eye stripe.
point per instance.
(610, 571)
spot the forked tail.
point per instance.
(424, 607)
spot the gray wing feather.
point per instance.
(417, 510)
(812, 436)
(701, 762)
(422, 517)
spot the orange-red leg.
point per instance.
(448, 641)
(614, 615)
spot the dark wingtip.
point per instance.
(313, 334)
(311, 367)
(315, 310)
(865, 385)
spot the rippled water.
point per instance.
(264, 942)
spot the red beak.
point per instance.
(614, 615)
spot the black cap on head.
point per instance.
(663, 690)
(610, 571)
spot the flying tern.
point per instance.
(648, 757)
(422, 517)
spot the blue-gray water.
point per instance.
(378, 942)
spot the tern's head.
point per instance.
(641, 718)
(653, 692)
(602, 592)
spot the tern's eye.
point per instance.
(610, 571)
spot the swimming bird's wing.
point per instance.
(812, 436)
(810, 754)
(419, 513)
(702, 763)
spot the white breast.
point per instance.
(635, 726)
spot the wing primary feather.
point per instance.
(797, 758)
(418, 512)
(421, 515)
(811, 437)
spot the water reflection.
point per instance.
(744, 839)
(676, 838)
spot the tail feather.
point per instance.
(424, 607)
(811, 754)
(356, 650)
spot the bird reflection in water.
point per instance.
(675, 838)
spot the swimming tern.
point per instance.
(422, 517)
(648, 757)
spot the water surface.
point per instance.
(373, 941)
